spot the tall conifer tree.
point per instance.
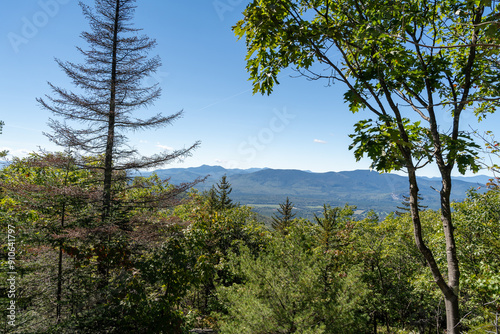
(219, 195)
(109, 89)
(282, 219)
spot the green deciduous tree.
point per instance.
(54, 205)
(411, 64)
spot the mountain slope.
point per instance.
(365, 189)
(266, 188)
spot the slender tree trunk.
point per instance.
(108, 160)
(449, 289)
(451, 298)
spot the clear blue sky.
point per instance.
(302, 125)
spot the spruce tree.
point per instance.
(328, 225)
(282, 220)
(218, 196)
(223, 191)
(109, 90)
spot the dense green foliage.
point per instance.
(478, 231)
(294, 286)
(193, 266)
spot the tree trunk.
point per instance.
(108, 160)
(451, 298)
(450, 289)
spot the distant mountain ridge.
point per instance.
(214, 173)
(265, 188)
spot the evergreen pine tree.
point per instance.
(282, 220)
(223, 190)
(328, 225)
(218, 196)
(110, 90)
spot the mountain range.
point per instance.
(264, 189)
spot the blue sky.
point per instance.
(302, 125)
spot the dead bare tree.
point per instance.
(110, 88)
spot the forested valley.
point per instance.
(89, 248)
